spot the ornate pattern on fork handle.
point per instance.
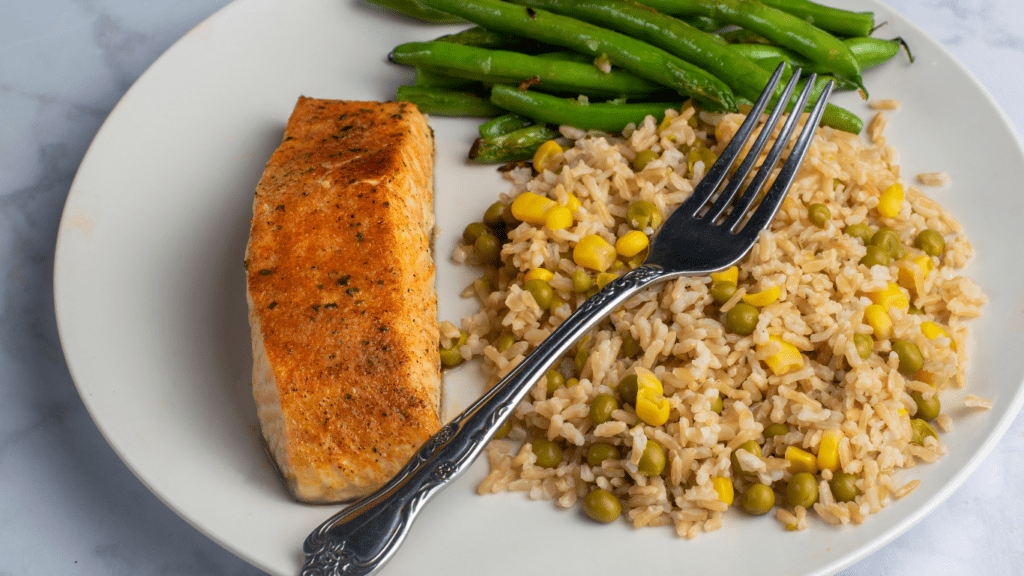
(361, 538)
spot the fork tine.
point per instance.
(739, 211)
(736, 181)
(707, 186)
(773, 199)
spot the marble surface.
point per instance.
(69, 506)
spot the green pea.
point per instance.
(630, 346)
(927, 409)
(487, 248)
(802, 490)
(876, 255)
(844, 486)
(758, 499)
(818, 214)
(776, 429)
(602, 506)
(510, 220)
(627, 389)
(861, 231)
(717, 406)
(504, 430)
(581, 281)
(580, 359)
(643, 158)
(557, 302)
(910, 356)
(495, 215)
(474, 231)
(483, 284)
(864, 344)
(889, 240)
(452, 356)
(652, 461)
(914, 310)
(601, 408)
(599, 452)
(741, 319)
(555, 381)
(722, 291)
(750, 446)
(505, 341)
(548, 453)
(919, 430)
(643, 214)
(931, 242)
(572, 382)
(541, 291)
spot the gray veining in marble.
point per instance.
(68, 505)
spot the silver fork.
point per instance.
(706, 233)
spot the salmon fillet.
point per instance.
(342, 305)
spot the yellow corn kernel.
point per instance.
(547, 157)
(762, 298)
(926, 264)
(828, 450)
(573, 203)
(530, 207)
(891, 297)
(910, 276)
(925, 376)
(604, 278)
(801, 461)
(891, 201)
(593, 252)
(786, 360)
(651, 405)
(730, 275)
(538, 274)
(931, 331)
(902, 411)
(631, 243)
(558, 218)
(724, 488)
(879, 320)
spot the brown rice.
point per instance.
(684, 341)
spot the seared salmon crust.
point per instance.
(342, 304)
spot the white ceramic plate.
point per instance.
(150, 299)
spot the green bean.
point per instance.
(414, 9)
(567, 55)
(441, 102)
(426, 78)
(511, 147)
(744, 36)
(628, 53)
(869, 52)
(504, 67)
(780, 27)
(705, 24)
(744, 76)
(835, 20)
(481, 38)
(503, 124)
(554, 110)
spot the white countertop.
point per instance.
(68, 505)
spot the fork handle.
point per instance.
(361, 538)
